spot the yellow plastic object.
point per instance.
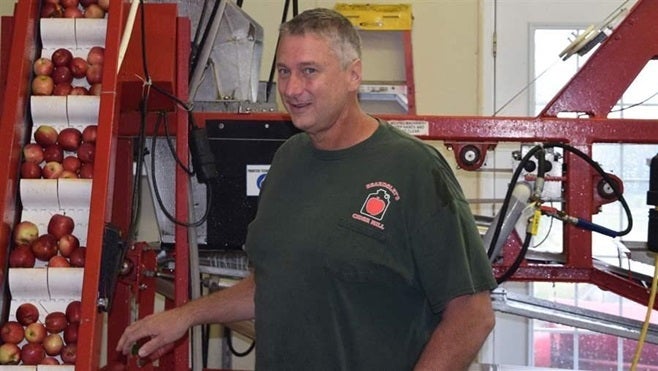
(378, 17)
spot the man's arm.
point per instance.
(467, 321)
(235, 303)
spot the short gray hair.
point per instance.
(330, 24)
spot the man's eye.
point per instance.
(282, 71)
(309, 71)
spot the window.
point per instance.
(566, 347)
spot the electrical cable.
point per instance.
(229, 343)
(532, 152)
(194, 58)
(197, 33)
(647, 319)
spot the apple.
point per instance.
(69, 353)
(87, 152)
(62, 74)
(27, 313)
(58, 261)
(50, 10)
(53, 344)
(96, 89)
(33, 152)
(22, 256)
(73, 311)
(96, 55)
(52, 170)
(69, 139)
(69, 3)
(86, 3)
(70, 333)
(30, 170)
(43, 66)
(56, 322)
(94, 11)
(53, 152)
(25, 232)
(77, 257)
(44, 247)
(35, 332)
(66, 244)
(105, 4)
(43, 85)
(73, 12)
(71, 163)
(89, 133)
(94, 74)
(10, 354)
(61, 57)
(79, 67)
(32, 354)
(52, 361)
(12, 332)
(60, 224)
(63, 88)
(79, 90)
(45, 135)
(86, 171)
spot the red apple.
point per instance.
(62, 74)
(10, 354)
(71, 163)
(89, 133)
(94, 74)
(45, 247)
(60, 225)
(69, 139)
(63, 88)
(79, 90)
(58, 261)
(70, 333)
(32, 354)
(33, 152)
(35, 332)
(12, 332)
(25, 232)
(69, 3)
(69, 353)
(52, 361)
(96, 89)
(53, 344)
(43, 85)
(87, 171)
(45, 135)
(73, 12)
(53, 152)
(94, 11)
(30, 170)
(67, 243)
(79, 67)
(96, 55)
(50, 10)
(22, 256)
(73, 311)
(56, 322)
(77, 257)
(43, 66)
(87, 152)
(61, 57)
(52, 170)
(27, 313)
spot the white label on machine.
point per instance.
(412, 127)
(255, 176)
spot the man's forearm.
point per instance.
(454, 344)
(232, 304)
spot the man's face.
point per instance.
(315, 89)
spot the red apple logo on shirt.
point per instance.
(376, 204)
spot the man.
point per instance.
(365, 254)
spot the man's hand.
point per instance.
(156, 333)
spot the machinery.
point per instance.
(137, 100)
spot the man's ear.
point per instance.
(355, 76)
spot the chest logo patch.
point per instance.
(377, 202)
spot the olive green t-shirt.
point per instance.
(356, 252)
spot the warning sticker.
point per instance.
(412, 127)
(255, 176)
